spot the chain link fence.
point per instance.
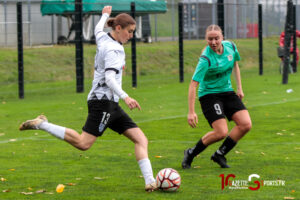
(240, 20)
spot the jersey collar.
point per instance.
(113, 38)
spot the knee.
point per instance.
(221, 134)
(246, 127)
(83, 146)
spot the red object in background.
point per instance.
(252, 30)
(281, 43)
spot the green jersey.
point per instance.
(213, 70)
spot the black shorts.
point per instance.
(103, 114)
(220, 105)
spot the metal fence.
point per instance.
(240, 21)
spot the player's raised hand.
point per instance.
(107, 9)
(192, 119)
(132, 103)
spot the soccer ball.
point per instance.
(168, 179)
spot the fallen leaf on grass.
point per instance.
(26, 193)
(13, 140)
(71, 184)
(60, 188)
(1, 134)
(40, 191)
(3, 179)
(262, 153)
(279, 133)
(158, 156)
(197, 167)
(98, 178)
(141, 177)
(239, 152)
(12, 170)
(289, 198)
(297, 148)
(29, 188)
(8, 190)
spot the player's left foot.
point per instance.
(187, 160)
(220, 159)
(151, 187)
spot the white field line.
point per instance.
(150, 120)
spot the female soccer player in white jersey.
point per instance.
(103, 108)
(217, 98)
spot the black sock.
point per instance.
(197, 149)
(227, 145)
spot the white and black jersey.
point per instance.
(109, 64)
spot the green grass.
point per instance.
(40, 161)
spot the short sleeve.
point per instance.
(201, 70)
(236, 53)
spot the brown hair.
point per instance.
(122, 19)
(213, 27)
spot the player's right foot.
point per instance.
(187, 160)
(151, 187)
(220, 159)
(33, 124)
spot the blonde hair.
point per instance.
(213, 27)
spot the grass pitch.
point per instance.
(33, 163)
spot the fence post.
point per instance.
(133, 50)
(20, 51)
(79, 47)
(180, 40)
(221, 16)
(287, 41)
(295, 39)
(260, 39)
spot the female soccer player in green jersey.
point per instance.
(217, 98)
